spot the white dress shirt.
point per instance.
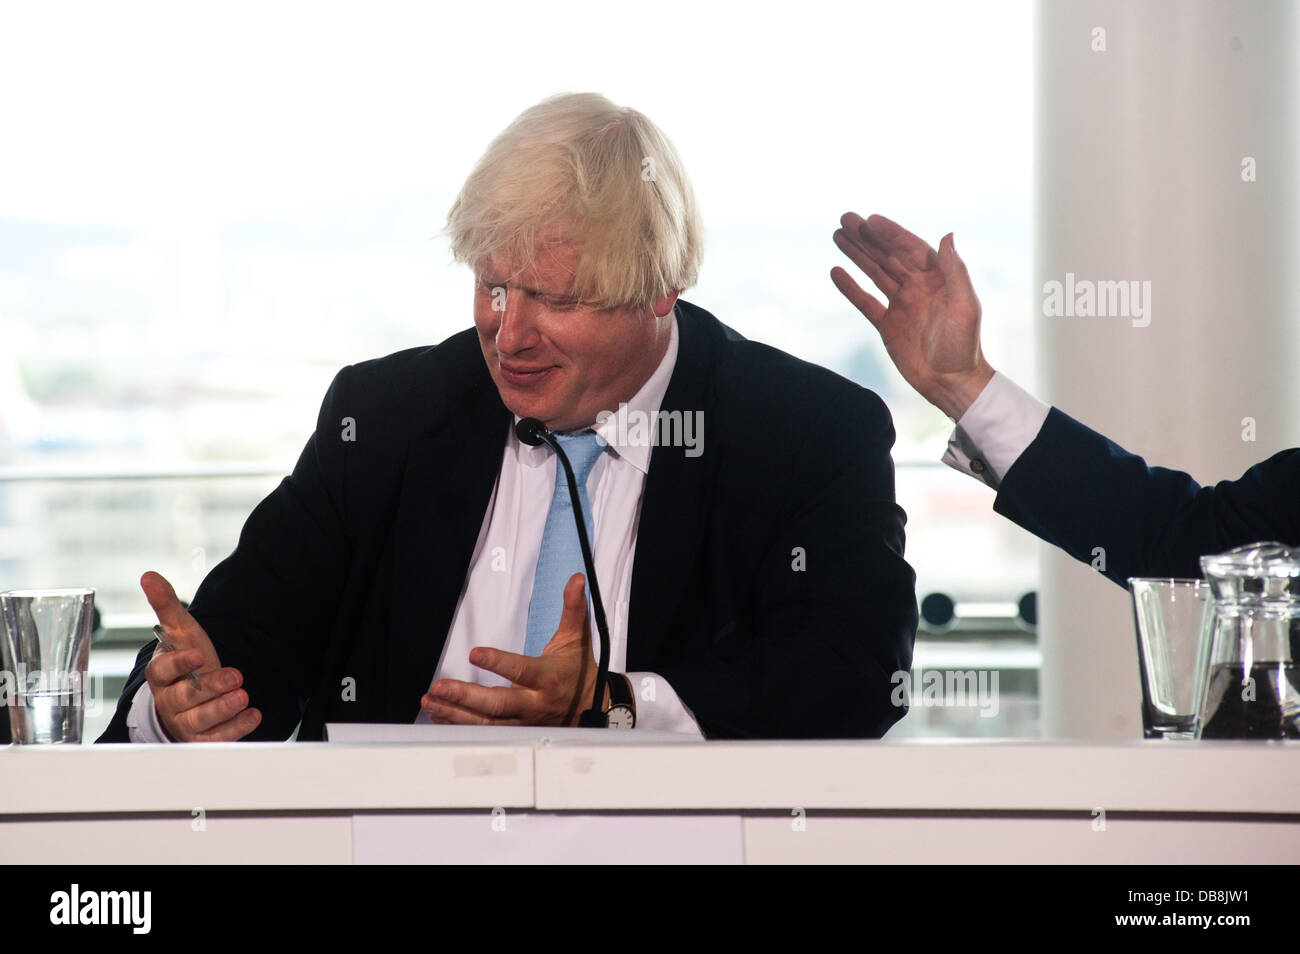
(493, 605)
(995, 430)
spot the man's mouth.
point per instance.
(523, 376)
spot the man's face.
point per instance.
(554, 358)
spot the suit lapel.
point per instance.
(672, 520)
(445, 491)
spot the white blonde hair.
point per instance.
(580, 168)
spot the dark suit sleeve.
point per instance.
(269, 605)
(1085, 494)
(834, 602)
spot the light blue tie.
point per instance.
(561, 554)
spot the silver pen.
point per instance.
(169, 647)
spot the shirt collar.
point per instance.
(647, 401)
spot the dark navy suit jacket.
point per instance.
(353, 566)
(1077, 490)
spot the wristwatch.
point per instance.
(622, 704)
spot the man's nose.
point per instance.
(517, 329)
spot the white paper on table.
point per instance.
(353, 732)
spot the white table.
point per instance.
(757, 802)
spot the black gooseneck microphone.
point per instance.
(533, 432)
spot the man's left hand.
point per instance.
(551, 689)
(931, 328)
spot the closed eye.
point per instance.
(555, 304)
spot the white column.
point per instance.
(1140, 151)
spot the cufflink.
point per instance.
(977, 465)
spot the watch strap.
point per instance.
(620, 692)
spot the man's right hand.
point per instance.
(931, 328)
(217, 712)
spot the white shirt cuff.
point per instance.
(658, 707)
(995, 430)
(142, 720)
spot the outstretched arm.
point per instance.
(1070, 486)
(1087, 495)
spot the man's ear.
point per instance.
(664, 303)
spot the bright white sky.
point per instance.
(146, 113)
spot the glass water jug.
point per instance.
(1250, 685)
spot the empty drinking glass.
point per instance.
(1171, 617)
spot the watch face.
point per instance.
(621, 717)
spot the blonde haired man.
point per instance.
(746, 542)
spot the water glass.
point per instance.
(45, 648)
(1170, 617)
